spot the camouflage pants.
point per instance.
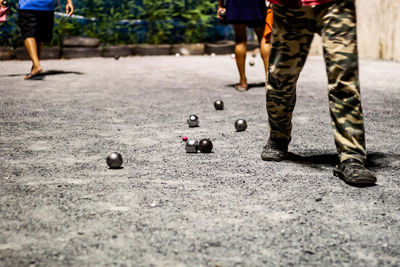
(292, 34)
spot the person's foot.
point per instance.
(275, 151)
(35, 72)
(242, 87)
(353, 172)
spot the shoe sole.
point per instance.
(274, 159)
(358, 182)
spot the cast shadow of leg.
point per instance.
(317, 161)
(375, 160)
(250, 85)
(46, 73)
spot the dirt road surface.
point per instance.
(61, 206)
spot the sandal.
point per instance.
(31, 76)
(240, 88)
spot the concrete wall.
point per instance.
(378, 30)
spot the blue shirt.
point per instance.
(44, 5)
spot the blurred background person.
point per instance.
(36, 19)
(242, 14)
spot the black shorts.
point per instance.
(249, 23)
(37, 24)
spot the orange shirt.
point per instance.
(268, 25)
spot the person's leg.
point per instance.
(240, 54)
(339, 37)
(27, 20)
(265, 47)
(39, 48)
(291, 41)
(32, 47)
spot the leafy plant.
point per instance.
(127, 21)
(198, 17)
(10, 34)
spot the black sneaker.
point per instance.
(353, 172)
(274, 151)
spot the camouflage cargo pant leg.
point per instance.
(292, 34)
(291, 40)
(338, 31)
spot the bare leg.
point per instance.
(240, 54)
(39, 48)
(265, 47)
(32, 47)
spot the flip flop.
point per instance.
(31, 76)
(240, 88)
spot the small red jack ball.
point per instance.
(184, 138)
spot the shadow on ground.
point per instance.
(375, 160)
(46, 73)
(250, 85)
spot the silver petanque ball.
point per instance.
(114, 160)
(193, 121)
(191, 146)
(219, 105)
(240, 125)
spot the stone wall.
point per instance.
(378, 30)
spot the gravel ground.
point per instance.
(61, 206)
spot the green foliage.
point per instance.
(9, 31)
(158, 15)
(127, 21)
(199, 19)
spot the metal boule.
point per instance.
(193, 121)
(191, 146)
(205, 146)
(240, 125)
(114, 160)
(219, 105)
